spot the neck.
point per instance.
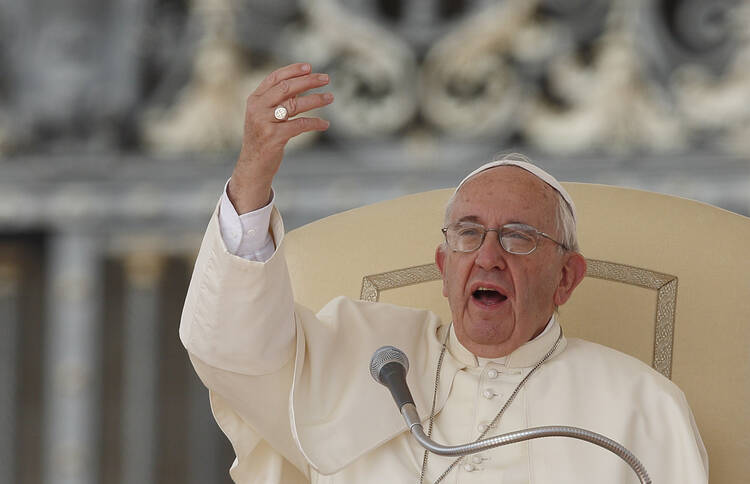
(473, 350)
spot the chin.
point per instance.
(488, 333)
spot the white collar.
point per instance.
(538, 344)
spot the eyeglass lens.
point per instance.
(514, 238)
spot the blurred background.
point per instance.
(120, 121)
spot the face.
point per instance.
(500, 300)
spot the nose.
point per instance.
(491, 255)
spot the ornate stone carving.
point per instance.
(209, 111)
(715, 104)
(611, 103)
(372, 71)
(563, 76)
(71, 70)
(468, 86)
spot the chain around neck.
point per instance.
(494, 420)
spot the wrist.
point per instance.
(248, 195)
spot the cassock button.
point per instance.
(477, 459)
(482, 427)
(488, 393)
(492, 373)
(469, 468)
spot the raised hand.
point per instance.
(265, 135)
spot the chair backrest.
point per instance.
(668, 282)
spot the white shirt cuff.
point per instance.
(246, 235)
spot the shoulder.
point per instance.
(344, 320)
(595, 387)
(373, 312)
(605, 365)
(580, 348)
(596, 382)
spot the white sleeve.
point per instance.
(246, 235)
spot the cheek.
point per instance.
(454, 286)
(545, 291)
(535, 289)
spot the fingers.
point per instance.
(297, 126)
(265, 136)
(282, 74)
(301, 104)
(287, 89)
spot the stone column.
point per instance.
(9, 329)
(140, 367)
(71, 361)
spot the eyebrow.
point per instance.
(475, 219)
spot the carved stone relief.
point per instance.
(561, 76)
(372, 70)
(610, 103)
(584, 76)
(712, 100)
(208, 112)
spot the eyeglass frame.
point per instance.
(497, 230)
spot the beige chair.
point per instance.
(668, 282)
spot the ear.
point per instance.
(440, 262)
(573, 272)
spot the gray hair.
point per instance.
(565, 224)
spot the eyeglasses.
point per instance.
(514, 238)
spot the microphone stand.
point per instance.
(388, 367)
(409, 412)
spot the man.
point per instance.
(288, 386)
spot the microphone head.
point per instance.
(385, 355)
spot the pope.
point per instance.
(287, 386)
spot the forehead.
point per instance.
(505, 194)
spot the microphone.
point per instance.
(388, 367)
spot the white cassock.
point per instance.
(298, 403)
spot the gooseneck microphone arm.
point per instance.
(382, 370)
(409, 413)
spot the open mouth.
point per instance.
(488, 297)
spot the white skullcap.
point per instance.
(531, 168)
